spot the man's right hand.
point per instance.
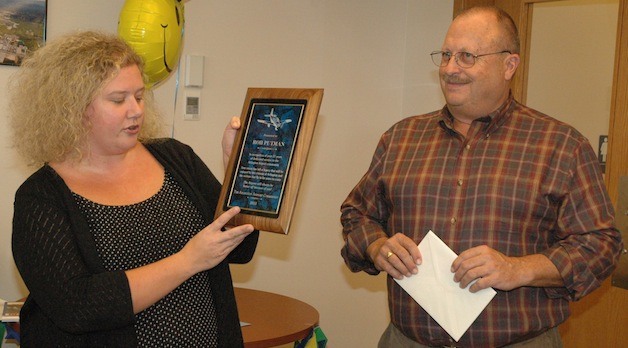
(398, 255)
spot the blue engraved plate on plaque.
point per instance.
(265, 155)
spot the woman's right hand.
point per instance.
(211, 245)
(205, 250)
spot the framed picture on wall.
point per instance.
(22, 29)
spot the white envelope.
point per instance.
(434, 289)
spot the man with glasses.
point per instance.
(518, 195)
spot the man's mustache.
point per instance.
(454, 79)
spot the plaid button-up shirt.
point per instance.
(520, 182)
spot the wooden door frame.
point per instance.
(617, 163)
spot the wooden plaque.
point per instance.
(269, 155)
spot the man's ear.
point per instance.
(511, 64)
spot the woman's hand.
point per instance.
(228, 138)
(205, 250)
(211, 245)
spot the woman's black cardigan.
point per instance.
(73, 301)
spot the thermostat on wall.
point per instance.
(192, 107)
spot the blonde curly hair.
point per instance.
(54, 86)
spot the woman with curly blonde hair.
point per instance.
(113, 234)
(51, 90)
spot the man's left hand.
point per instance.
(493, 269)
(490, 267)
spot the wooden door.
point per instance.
(600, 319)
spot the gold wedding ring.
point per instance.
(390, 253)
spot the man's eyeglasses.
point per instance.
(463, 59)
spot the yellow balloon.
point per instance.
(154, 28)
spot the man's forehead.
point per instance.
(470, 34)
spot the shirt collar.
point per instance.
(492, 121)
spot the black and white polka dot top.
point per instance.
(135, 235)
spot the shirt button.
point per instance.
(468, 147)
(453, 220)
(459, 182)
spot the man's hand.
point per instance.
(397, 255)
(493, 269)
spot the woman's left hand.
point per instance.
(228, 137)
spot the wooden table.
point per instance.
(275, 319)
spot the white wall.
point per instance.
(372, 59)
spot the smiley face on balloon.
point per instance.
(154, 28)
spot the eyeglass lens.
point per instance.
(464, 59)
